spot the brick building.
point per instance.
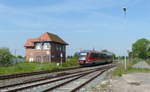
(46, 48)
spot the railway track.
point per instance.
(73, 81)
(11, 76)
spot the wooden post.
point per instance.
(61, 55)
(125, 65)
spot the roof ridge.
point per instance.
(46, 37)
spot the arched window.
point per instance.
(38, 45)
(46, 45)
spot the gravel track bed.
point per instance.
(27, 78)
(72, 85)
(52, 83)
(40, 88)
(89, 87)
(39, 82)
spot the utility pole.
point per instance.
(15, 53)
(125, 61)
(42, 56)
(125, 10)
(16, 56)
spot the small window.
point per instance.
(57, 48)
(38, 45)
(38, 58)
(46, 46)
(60, 48)
(63, 47)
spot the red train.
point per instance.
(94, 57)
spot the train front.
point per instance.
(82, 58)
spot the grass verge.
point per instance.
(23, 67)
(120, 70)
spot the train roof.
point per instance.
(93, 51)
(85, 51)
(108, 53)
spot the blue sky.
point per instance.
(84, 24)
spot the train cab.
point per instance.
(82, 58)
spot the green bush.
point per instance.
(5, 57)
(72, 62)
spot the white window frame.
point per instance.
(38, 46)
(46, 45)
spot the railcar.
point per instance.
(94, 57)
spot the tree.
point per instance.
(148, 54)
(76, 55)
(104, 50)
(130, 54)
(5, 57)
(140, 48)
(21, 57)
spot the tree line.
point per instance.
(140, 49)
(6, 58)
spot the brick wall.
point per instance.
(51, 55)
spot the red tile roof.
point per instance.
(45, 37)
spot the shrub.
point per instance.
(5, 57)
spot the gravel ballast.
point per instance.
(134, 82)
(142, 65)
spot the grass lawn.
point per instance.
(23, 67)
(121, 70)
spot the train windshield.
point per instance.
(82, 56)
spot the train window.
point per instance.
(82, 58)
(102, 55)
(94, 55)
(83, 54)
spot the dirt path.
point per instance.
(135, 82)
